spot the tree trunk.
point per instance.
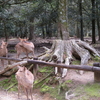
(98, 24)
(81, 20)
(93, 21)
(31, 30)
(43, 33)
(5, 31)
(63, 20)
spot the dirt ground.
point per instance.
(87, 77)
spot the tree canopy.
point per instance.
(30, 18)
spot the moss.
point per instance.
(76, 62)
(46, 69)
(12, 51)
(54, 93)
(96, 58)
(86, 92)
(93, 90)
(45, 88)
(68, 81)
(6, 83)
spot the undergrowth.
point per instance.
(9, 84)
(50, 84)
(88, 91)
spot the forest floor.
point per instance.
(78, 80)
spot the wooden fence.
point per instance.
(95, 68)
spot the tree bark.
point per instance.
(31, 30)
(98, 19)
(63, 20)
(93, 22)
(7, 71)
(81, 20)
(64, 50)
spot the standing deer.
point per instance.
(25, 81)
(3, 51)
(24, 46)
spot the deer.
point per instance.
(25, 81)
(3, 51)
(24, 46)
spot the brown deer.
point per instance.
(3, 51)
(25, 81)
(24, 46)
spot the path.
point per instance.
(13, 96)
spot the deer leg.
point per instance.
(27, 93)
(18, 90)
(2, 61)
(31, 91)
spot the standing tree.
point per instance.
(81, 19)
(93, 21)
(98, 19)
(63, 20)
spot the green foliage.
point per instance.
(12, 51)
(93, 90)
(54, 93)
(16, 19)
(76, 62)
(96, 59)
(46, 69)
(7, 83)
(45, 88)
(86, 92)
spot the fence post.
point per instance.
(35, 67)
(96, 74)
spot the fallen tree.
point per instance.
(10, 69)
(67, 50)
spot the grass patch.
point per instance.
(12, 51)
(96, 59)
(7, 83)
(85, 92)
(76, 62)
(46, 69)
(93, 90)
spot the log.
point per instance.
(78, 67)
(88, 47)
(9, 67)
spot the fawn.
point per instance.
(3, 51)
(25, 81)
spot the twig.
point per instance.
(43, 79)
(11, 86)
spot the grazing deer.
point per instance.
(25, 81)
(24, 46)
(3, 51)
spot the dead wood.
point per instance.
(9, 67)
(43, 78)
(11, 86)
(88, 47)
(66, 50)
